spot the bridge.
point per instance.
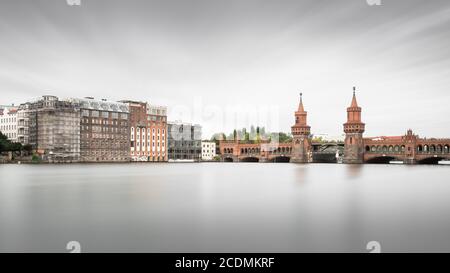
(264, 151)
(408, 149)
(356, 149)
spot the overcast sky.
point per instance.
(203, 58)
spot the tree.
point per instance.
(28, 148)
(7, 146)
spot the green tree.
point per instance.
(7, 146)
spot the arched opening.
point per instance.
(379, 149)
(430, 160)
(425, 149)
(380, 160)
(446, 149)
(397, 149)
(281, 159)
(439, 149)
(367, 149)
(432, 149)
(391, 149)
(250, 159)
(228, 159)
(419, 149)
(385, 149)
(374, 149)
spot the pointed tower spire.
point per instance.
(354, 102)
(300, 106)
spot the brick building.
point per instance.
(104, 127)
(148, 132)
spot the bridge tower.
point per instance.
(354, 129)
(301, 132)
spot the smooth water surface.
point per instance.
(224, 207)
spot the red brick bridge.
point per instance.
(264, 151)
(409, 148)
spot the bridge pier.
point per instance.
(409, 161)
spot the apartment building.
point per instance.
(148, 132)
(8, 122)
(104, 127)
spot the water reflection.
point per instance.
(236, 207)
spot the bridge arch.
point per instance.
(281, 159)
(431, 160)
(249, 159)
(380, 160)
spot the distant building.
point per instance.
(104, 127)
(54, 130)
(184, 141)
(208, 150)
(148, 132)
(23, 120)
(8, 122)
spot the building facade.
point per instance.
(148, 132)
(8, 122)
(104, 127)
(184, 141)
(23, 123)
(53, 129)
(208, 150)
(301, 132)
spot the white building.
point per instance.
(208, 150)
(8, 122)
(23, 122)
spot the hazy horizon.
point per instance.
(227, 64)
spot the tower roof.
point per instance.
(300, 105)
(354, 102)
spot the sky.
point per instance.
(232, 63)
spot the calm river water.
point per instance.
(224, 207)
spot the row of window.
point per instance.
(8, 127)
(143, 130)
(420, 149)
(10, 135)
(4, 120)
(103, 114)
(103, 121)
